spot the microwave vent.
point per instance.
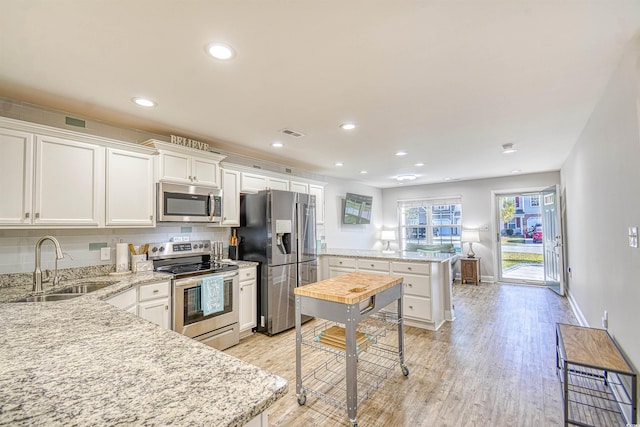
(292, 133)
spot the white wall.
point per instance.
(476, 206)
(600, 179)
(351, 236)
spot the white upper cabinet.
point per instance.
(299, 187)
(187, 165)
(130, 188)
(69, 183)
(277, 184)
(318, 191)
(230, 198)
(16, 176)
(252, 183)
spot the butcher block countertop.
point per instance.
(349, 288)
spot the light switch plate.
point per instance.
(633, 237)
(105, 254)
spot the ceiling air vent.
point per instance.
(292, 133)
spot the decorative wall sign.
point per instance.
(192, 143)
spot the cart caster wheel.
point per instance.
(354, 424)
(405, 371)
(302, 399)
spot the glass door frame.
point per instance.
(497, 226)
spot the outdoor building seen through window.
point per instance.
(430, 222)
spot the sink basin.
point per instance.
(50, 297)
(84, 287)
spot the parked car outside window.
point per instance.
(537, 234)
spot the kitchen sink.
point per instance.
(85, 287)
(69, 292)
(50, 297)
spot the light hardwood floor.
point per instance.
(493, 366)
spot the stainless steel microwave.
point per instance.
(188, 203)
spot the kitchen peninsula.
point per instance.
(427, 279)
(85, 362)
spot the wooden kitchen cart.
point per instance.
(352, 335)
(599, 387)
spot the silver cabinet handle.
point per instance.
(37, 215)
(26, 215)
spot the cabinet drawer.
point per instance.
(416, 307)
(247, 274)
(411, 267)
(373, 264)
(417, 285)
(342, 262)
(154, 290)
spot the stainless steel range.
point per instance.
(193, 264)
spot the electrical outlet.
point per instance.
(105, 254)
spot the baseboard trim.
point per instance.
(576, 309)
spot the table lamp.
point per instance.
(471, 237)
(388, 236)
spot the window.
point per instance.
(430, 222)
(535, 201)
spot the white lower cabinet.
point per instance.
(153, 303)
(422, 302)
(149, 301)
(248, 300)
(127, 300)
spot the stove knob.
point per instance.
(200, 246)
(161, 249)
(206, 246)
(154, 249)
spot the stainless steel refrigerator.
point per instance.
(278, 230)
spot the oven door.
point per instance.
(189, 318)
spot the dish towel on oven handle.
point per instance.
(212, 293)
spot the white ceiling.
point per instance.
(448, 81)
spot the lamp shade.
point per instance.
(472, 236)
(388, 235)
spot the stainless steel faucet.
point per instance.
(37, 274)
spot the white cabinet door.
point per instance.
(16, 177)
(252, 183)
(69, 183)
(230, 198)
(153, 303)
(205, 172)
(299, 187)
(277, 184)
(155, 311)
(127, 300)
(318, 191)
(175, 167)
(130, 190)
(248, 299)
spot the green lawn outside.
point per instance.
(511, 239)
(512, 258)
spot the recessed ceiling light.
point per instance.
(447, 178)
(419, 164)
(338, 164)
(348, 126)
(516, 171)
(221, 51)
(144, 102)
(363, 172)
(401, 153)
(277, 144)
(407, 177)
(508, 149)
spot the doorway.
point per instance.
(529, 238)
(520, 237)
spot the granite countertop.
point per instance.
(85, 362)
(395, 256)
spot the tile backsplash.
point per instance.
(82, 247)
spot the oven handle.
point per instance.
(187, 282)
